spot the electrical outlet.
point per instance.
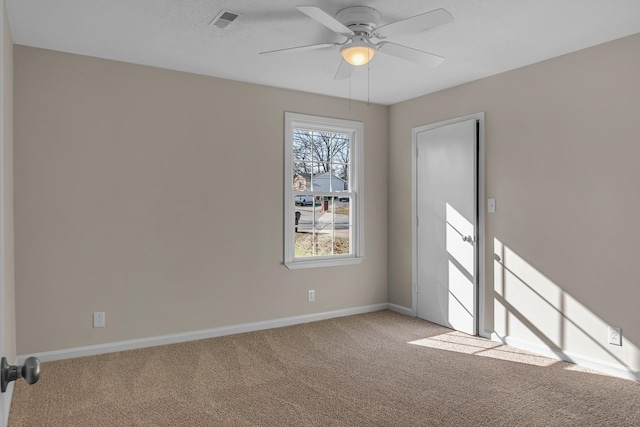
(98, 319)
(615, 336)
(311, 295)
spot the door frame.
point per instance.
(5, 398)
(480, 244)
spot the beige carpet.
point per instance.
(377, 369)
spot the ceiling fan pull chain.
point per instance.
(368, 83)
(349, 95)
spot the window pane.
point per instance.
(342, 243)
(302, 145)
(342, 225)
(341, 173)
(303, 235)
(322, 151)
(299, 167)
(321, 182)
(304, 215)
(302, 175)
(324, 218)
(340, 149)
(323, 244)
(301, 179)
(303, 244)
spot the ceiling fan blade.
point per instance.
(344, 71)
(300, 48)
(410, 54)
(415, 23)
(325, 19)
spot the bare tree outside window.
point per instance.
(316, 153)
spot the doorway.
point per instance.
(448, 235)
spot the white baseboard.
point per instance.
(567, 356)
(92, 350)
(402, 310)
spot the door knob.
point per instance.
(30, 372)
(468, 239)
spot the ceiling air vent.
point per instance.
(223, 19)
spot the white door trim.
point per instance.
(5, 398)
(481, 216)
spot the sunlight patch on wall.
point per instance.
(527, 304)
(532, 309)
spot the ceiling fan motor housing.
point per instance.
(359, 19)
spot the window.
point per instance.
(323, 191)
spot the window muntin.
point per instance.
(322, 157)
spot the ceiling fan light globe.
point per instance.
(357, 54)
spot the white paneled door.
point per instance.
(447, 224)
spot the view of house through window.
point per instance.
(321, 167)
(320, 180)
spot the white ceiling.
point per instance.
(487, 37)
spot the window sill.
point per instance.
(331, 262)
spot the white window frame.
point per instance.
(356, 131)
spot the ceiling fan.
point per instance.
(359, 24)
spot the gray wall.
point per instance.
(156, 197)
(562, 150)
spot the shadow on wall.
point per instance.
(532, 311)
